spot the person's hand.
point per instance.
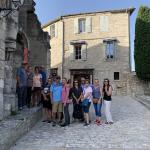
(105, 88)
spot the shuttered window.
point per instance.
(52, 30)
(103, 23)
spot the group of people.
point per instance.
(29, 85)
(58, 95)
(33, 89)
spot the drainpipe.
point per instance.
(63, 55)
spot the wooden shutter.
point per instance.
(84, 52)
(76, 25)
(71, 51)
(89, 24)
(103, 23)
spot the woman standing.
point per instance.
(97, 100)
(37, 85)
(76, 94)
(46, 100)
(86, 101)
(65, 101)
(107, 93)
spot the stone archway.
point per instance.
(21, 54)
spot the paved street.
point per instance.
(131, 130)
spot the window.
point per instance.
(78, 51)
(110, 49)
(103, 23)
(52, 30)
(82, 25)
(116, 75)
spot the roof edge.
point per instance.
(125, 10)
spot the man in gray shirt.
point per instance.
(22, 85)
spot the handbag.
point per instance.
(95, 100)
(85, 102)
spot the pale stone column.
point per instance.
(2, 64)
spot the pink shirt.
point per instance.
(65, 94)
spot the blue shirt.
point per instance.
(21, 73)
(43, 77)
(56, 92)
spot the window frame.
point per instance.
(116, 76)
(78, 55)
(111, 53)
(82, 25)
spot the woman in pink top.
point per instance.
(65, 101)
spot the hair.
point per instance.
(69, 81)
(107, 85)
(36, 67)
(58, 77)
(65, 79)
(74, 83)
(87, 80)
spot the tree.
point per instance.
(142, 43)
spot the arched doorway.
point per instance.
(21, 54)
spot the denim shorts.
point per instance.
(86, 108)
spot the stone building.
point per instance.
(21, 40)
(92, 45)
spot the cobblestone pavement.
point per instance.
(131, 131)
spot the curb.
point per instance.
(14, 127)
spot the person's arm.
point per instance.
(109, 91)
(18, 77)
(51, 94)
(87, 95)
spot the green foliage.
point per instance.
(142, 43)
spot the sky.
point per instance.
(48, 10)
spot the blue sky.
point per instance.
(50, 9)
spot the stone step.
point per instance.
(14, 127)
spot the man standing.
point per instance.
(43, 73)
(22, 85)
(57, 108)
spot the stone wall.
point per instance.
(25, 23)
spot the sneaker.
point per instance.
(63, 125)
(110, 123)
(48, 121)
(54, 124)
(95, 121)
(86, 124)
(98, 122)
(44, 120)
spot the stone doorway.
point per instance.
(79, 73)
(22, 52)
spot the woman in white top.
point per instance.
(37, 86)
(86, 101)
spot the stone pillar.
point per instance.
(2, 64)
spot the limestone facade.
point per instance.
(19, 31)
(93, 45)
